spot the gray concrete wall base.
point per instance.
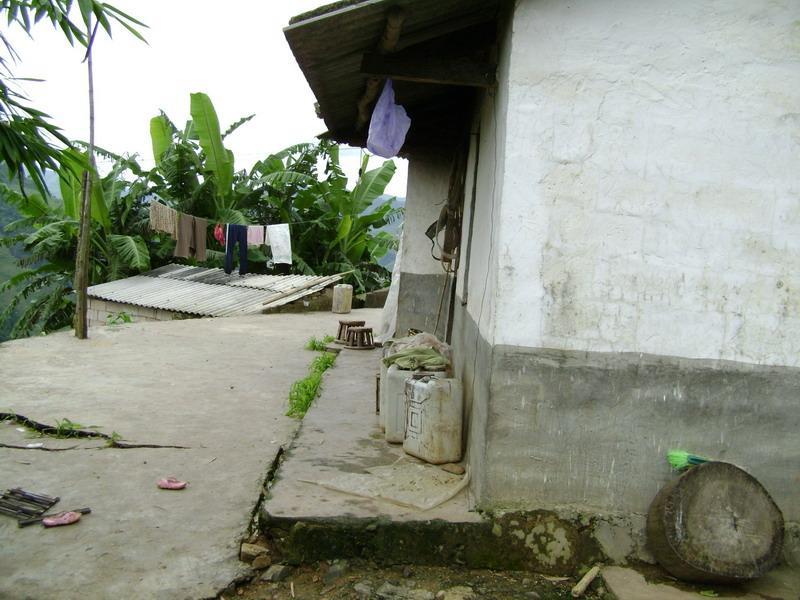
(472, 363)
(419, 300)
(550, 429)
(791, 544)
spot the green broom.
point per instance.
(680, 459)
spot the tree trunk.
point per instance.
(715, 524)
(85, 232)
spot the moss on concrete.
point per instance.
(536, 541)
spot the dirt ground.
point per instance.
(353, 580)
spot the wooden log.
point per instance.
(447, 70)
(585, 582)
(715, 524)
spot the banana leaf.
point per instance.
(160, 136)
(218, 159)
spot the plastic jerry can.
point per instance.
(434, 409)
(382, 391)
(394, 418)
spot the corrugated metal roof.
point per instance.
(209, 292)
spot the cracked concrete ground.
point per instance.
(218, 386)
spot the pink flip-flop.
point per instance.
(170, 483)
(62, 518)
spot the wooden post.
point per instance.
(85, 231)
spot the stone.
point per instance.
(459, 592)
(389, 591)
(453, 468)
(262, 561)
(276, 573)
(363, 590)
(335, 571)
(248, 552)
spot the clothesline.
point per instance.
(329, 218)
(190, 232)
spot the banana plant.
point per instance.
(47, 235)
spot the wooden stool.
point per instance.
(360, 338)
(341, 335)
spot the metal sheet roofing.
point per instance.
(209, 292)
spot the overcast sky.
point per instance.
(234, 51)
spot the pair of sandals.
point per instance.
(71, 516)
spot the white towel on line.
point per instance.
(280, 242)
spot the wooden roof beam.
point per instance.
(391, 35)
(456, 70)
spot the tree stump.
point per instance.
(715, 524)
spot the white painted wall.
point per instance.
(650, 182)
(428, 181)
(488, 147)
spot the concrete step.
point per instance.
(340, 435)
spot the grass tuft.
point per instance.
(304, 391)
(319, 345)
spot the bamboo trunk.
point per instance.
(84, 234)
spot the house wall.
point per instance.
(421, 276)
(637, 285)
(475, 301)
(98, 311)
(651, 187)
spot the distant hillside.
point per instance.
(396, 227)
(9, 256)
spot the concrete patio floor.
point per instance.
(217, 386)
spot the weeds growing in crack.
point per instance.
(305, 390)
(319, 345)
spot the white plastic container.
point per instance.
(434, 409)
(394, 408)
(382, 395)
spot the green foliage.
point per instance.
(219, 160)
(303, 185)
(46, 235)
(118, 318)
(331, 231)
(319, 345)
(29, 142)
(65, 428)
(304, 391)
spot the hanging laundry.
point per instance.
(163, 219)
(191, 237)
(236, 234)
(219, 233)
(280, 242)
(255, 235)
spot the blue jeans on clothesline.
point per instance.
(234, 234)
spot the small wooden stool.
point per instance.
(341, 335)
(360, 338)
